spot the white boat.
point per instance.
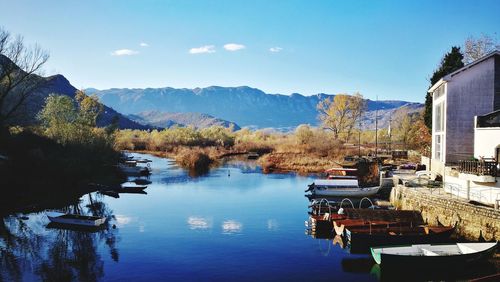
(433, 255)
(341, 188)
(75, 219)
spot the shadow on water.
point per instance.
(444, 273)
(30, 248)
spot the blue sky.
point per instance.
(379, 48)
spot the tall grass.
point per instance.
(307, 149)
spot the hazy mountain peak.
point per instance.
(243, 105)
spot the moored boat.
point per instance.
(371, 219)
(129, 188)
(75, 219)
(129, 168)
(341, 188)
(362, 239)
(433, 255)
(110, 193)
(140, 181)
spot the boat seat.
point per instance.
(428, 252)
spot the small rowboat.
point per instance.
(140, 181)
(361, 239)
(129, 188)
(458, 254)
(110, 193)
(75, 219)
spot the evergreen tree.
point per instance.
(451, 62)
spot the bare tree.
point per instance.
(19, 65)
(341, 113)
(475, 48)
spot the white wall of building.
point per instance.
(486, 140)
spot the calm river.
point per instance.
(234, 223)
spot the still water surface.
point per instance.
(234, 223)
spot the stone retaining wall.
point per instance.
(472, 221)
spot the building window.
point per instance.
(438, 147)
(438, 92)
(439, 117)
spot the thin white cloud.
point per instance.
(233, 47)
(124, 52)
(275, 49)
(231, 226)
(144, 44)
(203, 49)
(197, 223)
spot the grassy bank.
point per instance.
(306, 150)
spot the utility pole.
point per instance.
(359, 140)
(390, 135)
(376, 130)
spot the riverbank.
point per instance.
(304, 151)
(474, 222)
(36, 167)
(202, 158)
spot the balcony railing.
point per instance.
(481, 167)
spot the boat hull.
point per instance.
(82, 221)
(346, 192)
(361, 242)
(398, 260)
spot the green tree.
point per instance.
(89, 108)
(451, 62)
(58, 116)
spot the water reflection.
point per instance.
(199, 223)
(56, 252)
(122, 220)
(272, 225)
(231, 227)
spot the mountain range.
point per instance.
(165, 120)
(58, 84)
(202, 107)
(245, 106)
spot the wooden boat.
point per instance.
(361, 239)
(341, 188)
(320, 223)
(340, 225)
(110, 193)
(140, 181)
(375, 218)
(75, 219)
(458, 254)
(129, 188)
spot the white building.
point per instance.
(466, 109)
